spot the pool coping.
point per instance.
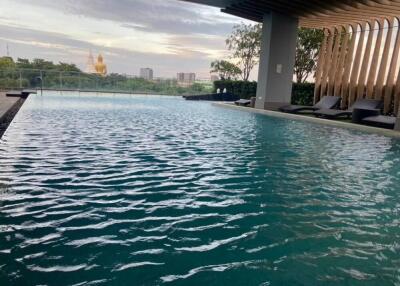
(7, 114)
(320, 121)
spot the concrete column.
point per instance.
(278, 50)
(397, 124)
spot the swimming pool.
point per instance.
(150, 190)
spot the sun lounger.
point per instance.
(26, 92)
(29, 91)
(327, 102)
(243, 102)
(367, 104)
(380, 121)
(14, 93)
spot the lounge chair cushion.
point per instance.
(367, 104)
(381, 121)
(297, 108)
(28, 91)
(326, 102)
(332, 113)
(14, 93)
(243, 102)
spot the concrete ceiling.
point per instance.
(311, 13)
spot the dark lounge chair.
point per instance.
(380, 121)
(28, 91)
(243, 102)
(327, 102)
(14, 93)
(366, 104)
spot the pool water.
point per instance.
(149, 190)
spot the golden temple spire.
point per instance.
(100, 66)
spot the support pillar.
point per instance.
(397, 124)
(278, 50)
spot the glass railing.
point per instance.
(66, 80)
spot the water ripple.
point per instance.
(146, 190)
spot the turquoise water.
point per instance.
(146, 190)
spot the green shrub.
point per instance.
(243, 89)
(302, 93)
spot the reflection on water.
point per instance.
(146, 190)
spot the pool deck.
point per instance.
(9, 106)
(333, 123)
(6, 103)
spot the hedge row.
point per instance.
(243, 89)
(302, 93)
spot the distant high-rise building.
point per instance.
(146, 73)
(186, 79)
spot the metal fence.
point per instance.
(65, 80)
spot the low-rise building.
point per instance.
(186, 79)
(146, 73)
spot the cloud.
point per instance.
(29, 43)
(169, 36)
(30, 36)
(152, 16)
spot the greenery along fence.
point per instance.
(302, 93)
(71, 80)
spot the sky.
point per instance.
(169, 36)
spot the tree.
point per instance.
(67, 67)
(6, 63)
(308, 44)
(245, 45)
(23, 64)
(43, 64)
(225, 69)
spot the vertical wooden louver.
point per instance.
(359, 56)
(327, 63)
(342, 61)
(361, 91)
(334, 62)
(356, 65)
(361, 61)
(347, 69)
(320, 66)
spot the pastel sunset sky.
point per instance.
(169, 36)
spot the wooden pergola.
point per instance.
(311, 13)
(359, 57)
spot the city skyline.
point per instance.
(169, 36)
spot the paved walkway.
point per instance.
(6, 103)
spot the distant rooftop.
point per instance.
(311, 13)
